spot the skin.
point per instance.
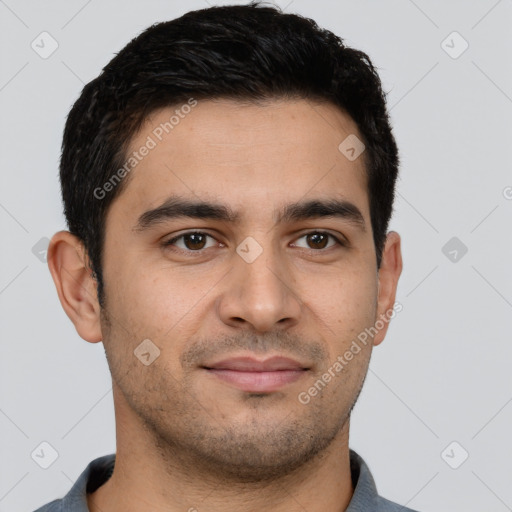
(186, 440)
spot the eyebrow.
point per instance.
(178, 207)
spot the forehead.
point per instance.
(246, 155)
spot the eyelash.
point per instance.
(169, 243)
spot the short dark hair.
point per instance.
(247, 53)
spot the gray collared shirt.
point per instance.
(364, 499)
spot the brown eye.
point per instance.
(194, 241)
(191, 242)
(318, 240)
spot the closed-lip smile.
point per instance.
(255, 375)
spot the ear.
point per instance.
(389, 272)
(76, 287)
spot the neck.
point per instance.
(145, 477)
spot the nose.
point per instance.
(259, 294)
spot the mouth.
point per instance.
(253, 375)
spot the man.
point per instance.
(228, 180)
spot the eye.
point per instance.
(194, 241)
(318, 240)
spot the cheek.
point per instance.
(345, 304)
(159, 302)
(144, 307)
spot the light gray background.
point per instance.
(443, 372)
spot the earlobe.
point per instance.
(75, 284)
(389, 273)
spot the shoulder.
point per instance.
(95, 474)
(365, 497)
(384, 505)
(54, 506)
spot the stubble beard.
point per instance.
(192, 441)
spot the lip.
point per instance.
(251, 364)
(250, 374)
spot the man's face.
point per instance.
(222, 302)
